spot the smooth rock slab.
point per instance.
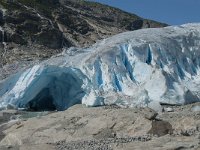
(121, 128)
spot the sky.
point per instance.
(172, 12)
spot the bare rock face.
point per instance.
(135, 25)
(1, 18)
(113, 128)
(52, 2)
(16, 38)
(50, 38)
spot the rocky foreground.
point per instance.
(106, 128)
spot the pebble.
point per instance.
(103, 144)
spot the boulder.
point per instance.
(160, 128)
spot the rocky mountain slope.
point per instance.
(38, 29)
(147, 67)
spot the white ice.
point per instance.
(139, 68)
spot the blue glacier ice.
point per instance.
(139, 68)
(45, 86)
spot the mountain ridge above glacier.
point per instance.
(39, 29)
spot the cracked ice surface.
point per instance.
(139, 68)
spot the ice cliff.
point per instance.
(140, 68)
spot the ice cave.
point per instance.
(47, 88)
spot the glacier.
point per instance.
(147, 67)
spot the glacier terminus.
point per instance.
(140, 68)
